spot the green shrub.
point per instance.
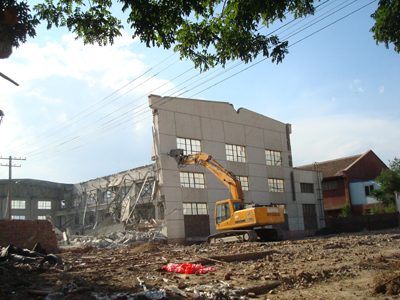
(346, 210)
(382, 209)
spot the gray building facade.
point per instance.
(254, 147)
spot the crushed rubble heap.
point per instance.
(361, 265)
(119, 239)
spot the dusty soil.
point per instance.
(363, 265)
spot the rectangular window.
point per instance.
(107, 196)
(92, 198)
(18, 204)
(308, 208)
(92, 219)
(41, 217)
(189, 146)
(17, 217)
(235, 153)
(195, 208)
(369, 189)
(192, 180)
(329, 185)
(244, 182)
(44, 204)
(307, 188)
(273, 158)
(77, 202)
(276, 185)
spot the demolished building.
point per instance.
(255, 148)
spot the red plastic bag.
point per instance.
(187, 268)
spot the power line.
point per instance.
(82, 112)
(118, 125)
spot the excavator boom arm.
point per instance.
(228, 178)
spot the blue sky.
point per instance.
(338, 89)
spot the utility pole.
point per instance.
(10, 166)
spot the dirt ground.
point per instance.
(363, 265)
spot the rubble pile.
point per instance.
(118, 239)
(342, 266)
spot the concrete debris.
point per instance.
(219, 291)
(363, 265)
(117, 240)
(151, 295)
(21, 257)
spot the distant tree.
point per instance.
(208, 32)
(346, 210)
(387, 23)
(389, 182)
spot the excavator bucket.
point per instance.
(177, 154)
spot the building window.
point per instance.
(329, 185)
(147, 189)
(17, 204)
(308, 208)
(44, 204)
(195, 208)
(92, 219)
(244, 182)
(189, 146)
(307, 188)
(77, 202)
(273, 158)
(92, 198)
(41, 217)
(369, 189)
(276, 185)
(107, 195)
(192, 180)
(18, 217)
(235, 153)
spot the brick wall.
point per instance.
(26, 233)
(359, 223)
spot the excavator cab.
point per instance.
(223, 212)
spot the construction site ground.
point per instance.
(364, 265)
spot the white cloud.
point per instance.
(331, 137)
(60, 80)
(112, 65)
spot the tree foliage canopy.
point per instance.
(208, 32)
(387, 23)
(389, 182)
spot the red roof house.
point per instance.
(339, 173)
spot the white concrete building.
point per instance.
(254, 147)
(360, 193)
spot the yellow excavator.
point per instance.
(245, 222)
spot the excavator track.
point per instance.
(267, 235)
(233, 236)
